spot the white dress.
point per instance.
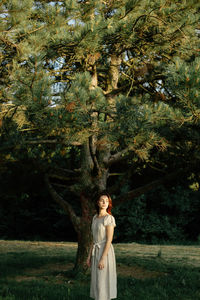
(103, 282)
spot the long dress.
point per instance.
(103, 282)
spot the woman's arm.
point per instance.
(109, 238)
(88, 262)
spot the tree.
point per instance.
(110, 60)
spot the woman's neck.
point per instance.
(102, 213)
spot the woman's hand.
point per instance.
(101, 264)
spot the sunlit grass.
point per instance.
(41, 270)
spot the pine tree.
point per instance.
(97, 75)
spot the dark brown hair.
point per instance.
(109, 204)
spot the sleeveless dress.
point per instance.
(103, 282)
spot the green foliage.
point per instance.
(81, 103)
(67, 43)
(186, 75)
(160, 216)
(114, 62)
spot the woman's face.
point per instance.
(103, 202)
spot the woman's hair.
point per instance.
(109, 204)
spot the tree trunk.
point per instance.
(84, 244)
(82, 225)
(84, 233)
(93, 176)
(94, 172)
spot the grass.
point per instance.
(41, 270)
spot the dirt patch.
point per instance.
(59, 279)
(58, 267)
(137, 272)
(25, 278)
(42, 273)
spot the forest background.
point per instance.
(100, 95)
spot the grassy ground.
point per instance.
(42, 270)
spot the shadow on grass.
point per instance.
(14, 263)
(28, 275)
(38, 290)
(181, 285)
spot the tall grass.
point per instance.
(41, 271)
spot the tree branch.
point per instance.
(147, 187)
(64, 204)
(64, 172)
(32, 31)
(134, 83)
(9, 43)
(44, 142)
(36, 142)
(116, 157)
(61, 177)
(55, 141)
(93, 153)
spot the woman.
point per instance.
(101, 256)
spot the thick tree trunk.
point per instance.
(84, 233)
(82, 225)
(84, 243)
(93, 179)
(94, 171)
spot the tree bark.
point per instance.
(84, 234)
(64, 204)
(113, 77)
(82, 225)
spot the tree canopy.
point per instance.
(116, 80)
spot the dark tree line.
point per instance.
(167, 214)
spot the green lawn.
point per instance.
(42, 270)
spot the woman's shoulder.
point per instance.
(109, 220)
(94, 217)
(109, 216)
